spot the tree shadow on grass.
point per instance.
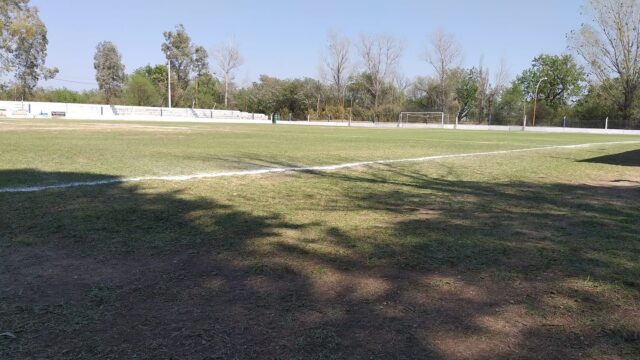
(545, 244)
(119, 270)
(627, 158)
(460, 269)
(16, 178)
(578, 228)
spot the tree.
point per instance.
(510, 106)
(110, 75)
(286, 97)
(157, 75)
(423, 94)
(228, 59)
(140, 91)
(444, 54)
(594, 105)
(179, 52)
(497, 87)
(9, 11)
(207, 92)
(363, 96)
(200, 61)
(611, 48)
(564, 79)
(336, 63)
(29, 51)
(380, 55)
(264, 96)
(484, 92)
(200, 67)
(467, 91)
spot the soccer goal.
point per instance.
(435, 118)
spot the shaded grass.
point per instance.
(628, 158)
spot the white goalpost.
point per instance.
(436, 118)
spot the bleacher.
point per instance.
(28, 109)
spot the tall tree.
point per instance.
(228, 60)
(497, 87)
(611, 47)
(179, 51)
(9, 11)
(423, 94)
(200, 61)
(443, 54)
(484, 86)
(593, 105)
(336, 62)
(564, 79)
(380, 55)
(200, 68)
(467, 91)
(29, 52)
(110, 74)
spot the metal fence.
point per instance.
(566, 123)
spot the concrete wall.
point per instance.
(463, 127)
(30, 109)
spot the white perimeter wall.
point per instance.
(30, 109)
(463, 127)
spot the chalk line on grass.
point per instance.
(292, 169)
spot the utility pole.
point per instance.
(535, 102)
(169, 81)
(351, 111)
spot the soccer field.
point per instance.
(157, 240)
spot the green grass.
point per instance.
(107, 149)
(517, 255)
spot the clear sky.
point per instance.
(285, 38)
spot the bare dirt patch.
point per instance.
(186, 303)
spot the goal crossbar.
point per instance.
(404, 116)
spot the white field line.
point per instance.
(292, 169)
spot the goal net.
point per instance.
(427, 118)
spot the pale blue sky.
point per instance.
(285, 38)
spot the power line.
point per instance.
(74, 81)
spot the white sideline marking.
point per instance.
(291, 169)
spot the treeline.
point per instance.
(360, 78)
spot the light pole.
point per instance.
(169, 81)
(351, 99)
(351, 110)
(535, 102)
